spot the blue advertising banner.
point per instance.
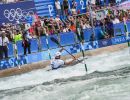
(36, 57)
(91, 45)
(45, 7)
(11, 50)
(119, 29)
(12, 62)
(119, 40)
(10, 13)
(128, 26)
(87, 34)
(81, 6)
(75, 48)
(104, 43)
(67, 38)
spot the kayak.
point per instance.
(74, 63)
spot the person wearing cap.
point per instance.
(57, 62)
(3, 45)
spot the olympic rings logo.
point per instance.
(17, 14)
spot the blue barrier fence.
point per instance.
(11, 50)
(119, 29)
(34, 45)
(128, 26)
(67, 38)
(87, 34)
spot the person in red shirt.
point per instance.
(72, 27)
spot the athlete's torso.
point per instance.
(57, 63)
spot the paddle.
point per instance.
(48, 46)
(57, 42)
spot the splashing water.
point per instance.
(108, 78)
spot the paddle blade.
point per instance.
(54, 40)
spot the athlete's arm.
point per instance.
(61, 49)
(70, 62)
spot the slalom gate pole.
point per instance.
(48, 46)
(16, 55)
(82, 47)
(18, 62)
(127, 34)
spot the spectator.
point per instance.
(88, 25)
(65, 7)
(58, 7)
(26, 44)
(72, 27)
(3, 45)
(65, 29)
(57, 19)
(16, 36)
(74, 4)
(73, 11)
(115, 20)
(109, 27)
(52, 30)
(84, 25)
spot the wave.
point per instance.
(120, 73)
(98, 66)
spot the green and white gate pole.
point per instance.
(78, 30)
(127, 34)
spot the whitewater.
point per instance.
(108, 78)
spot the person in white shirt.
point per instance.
(73, 10)
(57, 62)
(58, 7)
(57, 19)
(4, 41)
(115, 21)
(65, 29)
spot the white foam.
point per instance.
(104, 62)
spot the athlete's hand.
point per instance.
(62, 48)
(74, 58)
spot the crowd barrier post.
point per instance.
(15, 49)
(16, 54)
(39, 44)
(127, 34)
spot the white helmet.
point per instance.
(57, 54)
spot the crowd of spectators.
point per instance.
(45, 25)
(49, 26)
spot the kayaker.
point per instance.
(57, 62)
